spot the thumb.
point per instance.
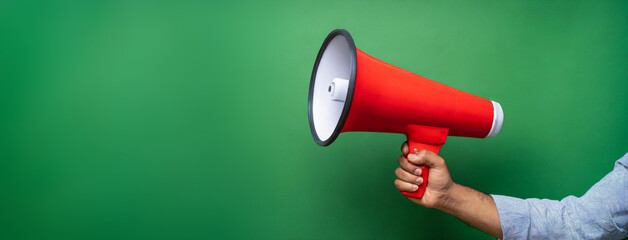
(428, 158)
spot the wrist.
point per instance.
(450, 199)
(476, 208)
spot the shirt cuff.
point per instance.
(514, 216)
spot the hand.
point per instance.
(476, 208)
(408, 175)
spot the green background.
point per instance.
(187, 119)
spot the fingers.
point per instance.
(405, 187)
(404, 148)
(407, 177)
(407, 166)
(428, 158)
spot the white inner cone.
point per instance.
(331, 86)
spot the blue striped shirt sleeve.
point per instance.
(601, 213)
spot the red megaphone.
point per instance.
(351, 91)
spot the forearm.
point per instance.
(474, 208)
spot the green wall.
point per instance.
(187, 119)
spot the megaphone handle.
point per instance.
(424, 169)
(424, 138)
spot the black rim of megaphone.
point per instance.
(347, 106)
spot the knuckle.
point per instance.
(397, 183)
(398, 172)
(407, 166)
(440, 160)
(423, 154)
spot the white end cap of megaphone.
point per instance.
(498, 119)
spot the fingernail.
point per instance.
(419, 180)
(412, 156)
(417, 172)
(415, 187)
